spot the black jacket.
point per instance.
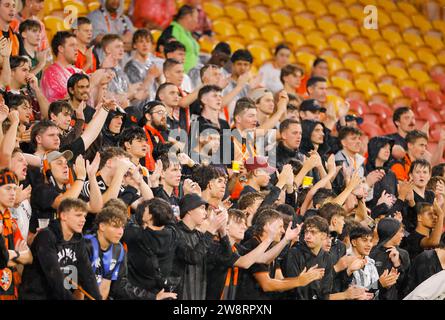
(424, 266)
(284, 154)
(44, 279)
(300, 257)
(4, 256)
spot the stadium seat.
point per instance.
(421, 22)
(434, 40)
(401, 19)
(440, 25)
(327, 24)
(341, 46)
(371, 129)
(388, 5)
(306, 23)
(429, 114)
(355, 95)
(317, 7)
(338, 9)
(271, 34)
(436, 98)
(51, 6)
(382, 110)
(392, 36)
(362, 48)
(412, 93)
(405, 52)
(426, 55)
(385, 54)
(206, 43)
(54, 24)
(260, 53)
(260, 15)
(82, 9)
(283, 18)
(236, 12)
(273, 4)
(93, 6)
(333, 63)
(356, 11)
(375, 68)
(295, 37)
(316, 38)
(365, 76)
(371, 34)
(419, 75)
(368, 87)
(358, 106)
(295, 5)
(407, 8)
(224, 28)
(344, 84)
(391, 90)
(236, 43)
(248, 31)
(213, 9)
(398, 72)
(354, 65)
(344, 73)
(305, 58)
(414, 40)
(349, 27)
(440, 79)
(383, 18)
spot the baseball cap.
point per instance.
(189, 202)
(311, 105)
(54, 155)
(351, 117)
(258, 93)
(258, 162)
(150, 105)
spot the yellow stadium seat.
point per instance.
(329, 27)
(82, 10)
(157, 33)
(295, 5)
(392, 91)
(51, 6)
(405, 52)
(408, 83)
(383, 18)
(248, 31)
(440, 25)
(213, 9)
(295, 37)
(421, 22)
(53, 24)
(317, 7)
(426, 55)
(365, 76)
(338, 9)
(283, 18)
(341, 46)
(236, 11)
(271, 34)
(385, 53)
(354, 65)
(236, 43)
(93, 6)
(397, 72)
(362, 48)
(304, 22)
(375, 68)
(344, 84)
(434, 41)
(333, 63)
(307, 59)
(259, 14)
(401, 19)
(273, 4)
(407, 8)
(419, 75)
(224, 28)
(371, 34)
(206, 43)
(260, 54)
(388, 5)
(431, 86)
(393, 37)
(349, 28)
(356, 11)
(316, 38)
(413, 39)
(368, 87)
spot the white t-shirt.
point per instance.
(271, 77)
(22, 214)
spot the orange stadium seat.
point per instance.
(434, 40)
(411, 92)
(398, 72)
(344, 84)
(317, 7)
(358, 106)
(364, 49)
(383, 18)
(349, 27)
(260, 15)
(365, 76)
(371, 129)
(426, 55)
(436, 98)
(206, 43)
(236, 43)
(213, 9)
(440, 25)
(371, 34)
(385, 53)
(382, 110)
(283, 18)
(236, 11)
(392, 36)
(54, 24)
(248, 31)
(388, 5)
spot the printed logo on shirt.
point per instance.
(66, 255)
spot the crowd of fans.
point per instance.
(140, 170)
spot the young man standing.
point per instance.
(289, 144)
(60, 113)
(18, 252)
(405, 122)
(290, 77)
(177, 118)
(78, 87)
(310, 110)
(86, 58)
(134, 141)
(8, 11)
(317, 89)
(61, 261)
(267, 116)
(55, 77)
(30, 31)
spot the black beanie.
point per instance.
(386, 229)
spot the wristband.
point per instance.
(18, 256)
(83, 180)
(105, 108)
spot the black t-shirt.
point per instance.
(88, 113)
(410, 218)
(398, 140)
(412, 244)
(42, 198)
(248, 287)
(77, 148)
(219, 269)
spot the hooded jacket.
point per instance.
(103, 23)
(389, 181)
(387, 229)
(55, 261)
(300, 257)
(308, 127)
(284, 155)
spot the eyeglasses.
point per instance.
(159, 112)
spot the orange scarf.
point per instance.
(149, 160)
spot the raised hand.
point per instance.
(374, 177)
(22, 194)
(387, 199)
(4, 112)
(14, 117)
(272, 229)
(93, 167)
(388, 279)
(79, 168)
(293, 234)
(394, 256)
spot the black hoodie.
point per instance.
(389, 181)
(4, 256)
(387, 229)
(44, 278)
(300, 257)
